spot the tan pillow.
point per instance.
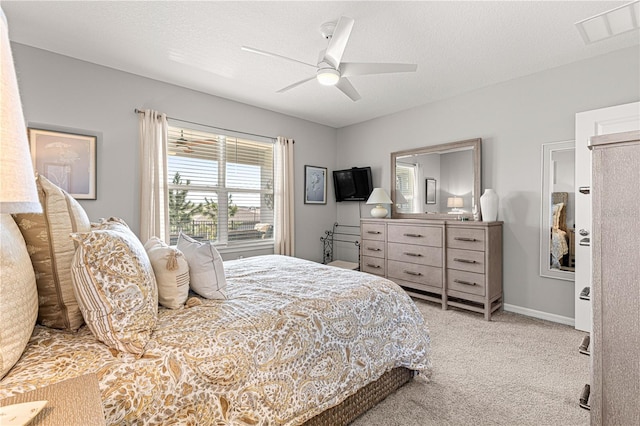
(51, 250)
(116, 289)
(172, 273)
(206, 271)
(114, 224)
(18, 294)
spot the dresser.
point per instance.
(615, 292)
(452, 263)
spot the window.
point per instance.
(220, 187)
(405, 184)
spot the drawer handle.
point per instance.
(415, 274)
(374, 232)
(464, 282)
(373, 249)
(413, 235)
(471, 240)
(412, 254)
(455, 259)
(373, 266)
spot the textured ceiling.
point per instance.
(458, 46)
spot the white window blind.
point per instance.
(405, 183)
(220, 187)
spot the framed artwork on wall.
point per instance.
(315, 185)
(68, 160)
(431, 191)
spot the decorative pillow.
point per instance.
(116, 289)
(557, 212)
(205, 267)
(172, 273)
(114, 224)
(18, 295)
(51, 250)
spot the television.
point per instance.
(352, 184)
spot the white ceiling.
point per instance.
(458, 46)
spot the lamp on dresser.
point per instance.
(455, 204)
(18, 192)
(379, 197)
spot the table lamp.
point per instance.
(18, 192)
(379, 197)
(454, 203)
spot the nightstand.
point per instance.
(71, 402)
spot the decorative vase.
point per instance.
(489, 205)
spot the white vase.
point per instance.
(489, 205)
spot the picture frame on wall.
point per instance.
(315, 185)
(68, 160)
(431, 191)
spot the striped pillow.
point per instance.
(116, 289)
(51, 251)
(172, 273)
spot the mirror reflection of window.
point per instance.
(406, 178)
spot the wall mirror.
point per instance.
(437, 182)
(557, 224)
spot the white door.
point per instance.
(616, 119)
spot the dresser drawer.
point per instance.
(424, 255)
(421, 235)
(466, 238)
(373, 248)
(466, 260)
(372, 265)
(421, 274)
(373, 231)
(466, 282)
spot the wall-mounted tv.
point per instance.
(352, 184)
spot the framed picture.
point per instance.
(315, 185)
(67, 159)
(431, 191)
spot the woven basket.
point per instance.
(361, 401)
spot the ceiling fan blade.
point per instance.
(347, 88)
(274, 55)
(338, 41)
(356, 68)
(295, 84)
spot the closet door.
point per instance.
(616, 119)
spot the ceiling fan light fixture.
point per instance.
(328, 76)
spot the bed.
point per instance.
(293, 342)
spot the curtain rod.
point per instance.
(139, 111)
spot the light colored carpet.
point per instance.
(514, 370)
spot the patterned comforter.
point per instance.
(294, 339)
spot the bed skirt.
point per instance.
(364, 399)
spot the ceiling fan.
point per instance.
(330, 71)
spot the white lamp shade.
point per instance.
(18, 192)
(455, 202)
(400, 199)
(379, 196)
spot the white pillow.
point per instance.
(205, 267)
(172, 273)
(18, 295)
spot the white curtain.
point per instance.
(154, 208)
(284, 198)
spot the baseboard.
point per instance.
(539, 314)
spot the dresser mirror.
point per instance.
(437, 182)
(557, 223)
